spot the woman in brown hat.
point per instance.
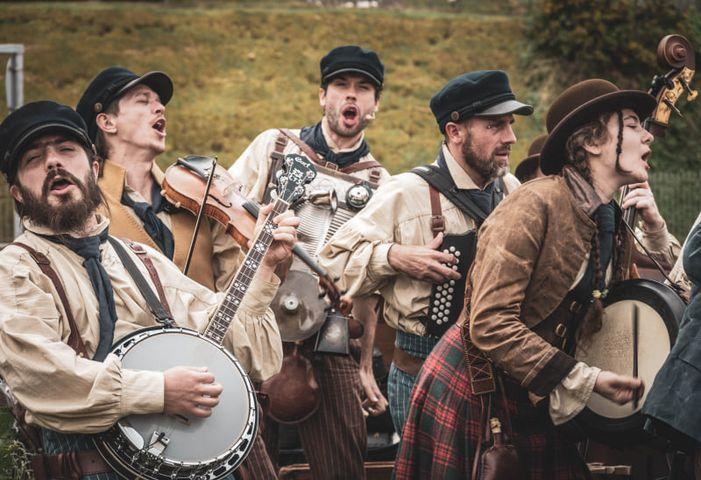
(537, 283)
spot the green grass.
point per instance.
(241, 69)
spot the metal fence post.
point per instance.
(14, 91)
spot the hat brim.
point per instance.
(526, 166)
(46, 129)
(374, 79)
(552, 157)
(159, 82)
(505, 108)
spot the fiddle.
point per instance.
(190, 179)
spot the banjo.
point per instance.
(174, 447)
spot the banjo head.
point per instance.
(158, 445)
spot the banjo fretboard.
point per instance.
(224, 315)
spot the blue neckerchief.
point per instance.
(89, 249)
(314, 137)
(483, 198)
(153, 225)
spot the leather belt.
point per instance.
(69, 466)
(405, 362)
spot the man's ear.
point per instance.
(455, 132)
(16, 194)
(105, 122)
(95, 169)
(322, 98)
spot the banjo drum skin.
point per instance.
(161, 446)
(660, 311)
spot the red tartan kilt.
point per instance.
(443, 425)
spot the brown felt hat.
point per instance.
(582, 103)
(528, 165)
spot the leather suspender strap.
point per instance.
(276, 158)
(308, 151)
(151, 269)
(157, 309)
(74, 340)
(357, 167)
(437, 219)
(314, 157)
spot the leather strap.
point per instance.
(437, 219)
(276, 158)
(157, 309)
(314, 157)
(478, 365)
(308, 151)
(357, 167)
(146, 260)
(69, 466)
(74, 340)
(405, 362)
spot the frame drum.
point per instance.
(660, 311)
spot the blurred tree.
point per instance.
(571, 40)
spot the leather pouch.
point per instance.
(500, 461)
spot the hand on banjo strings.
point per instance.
(641, 198)
(424, 262)
(190, 391)
(620, 389)
(284, 236)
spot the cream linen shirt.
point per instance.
(399, 212)
(251, 168)
(68, 393)
(226, 253)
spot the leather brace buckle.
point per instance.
(331, 166)
(277, 155)
(575, 307)
(437, 224)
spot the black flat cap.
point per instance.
(32, 121)
(481, 93)
(352, 58)
(112, 83)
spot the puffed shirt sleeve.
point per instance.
(59, 389)
(358, 251)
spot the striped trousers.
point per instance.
(334, 439)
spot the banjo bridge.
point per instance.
(159, 442)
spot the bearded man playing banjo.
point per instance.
(55, 349)
(545, 258)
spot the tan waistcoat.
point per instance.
(125, 224)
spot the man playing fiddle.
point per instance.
(125, 116)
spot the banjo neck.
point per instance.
(224, 314)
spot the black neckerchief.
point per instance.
(89, 249)
(485, 199)
(155, 228)
(314, 137)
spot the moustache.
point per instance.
(60, 172)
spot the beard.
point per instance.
(488, 167)
(335, 121)
(71, 214)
